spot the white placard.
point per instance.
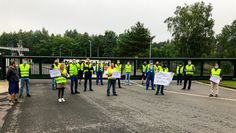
(55, 73)
(163, 78)
(215, 79)
(116, 75)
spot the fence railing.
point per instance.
(41, 65)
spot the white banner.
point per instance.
(55, 73)
(163, 78)
(116, 75)
(215, 79)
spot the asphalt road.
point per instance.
(134, 110)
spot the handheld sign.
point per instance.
(215, 79)
(163, 78)
(55, 73)
(116, 75)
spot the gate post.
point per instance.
(1, 67)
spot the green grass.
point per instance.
(226, 83)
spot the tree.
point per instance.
(135, 41)
(226, 41)
(192, 29)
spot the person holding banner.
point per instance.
(215, 74)
(99, 71)
(118, 67)
(128, 68)
(159, 68)
(56, 65)
(144, 67)
(150, 72)
(189, 69)
(111, 80)
(61, 82)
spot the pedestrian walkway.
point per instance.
(133, 110)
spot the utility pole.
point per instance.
(90, 44)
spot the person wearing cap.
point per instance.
(144, 67)
(118, 67)
(111, 80)
(80, 70)
(189, 69)
(216, 71)
(56, 65)
(88, 71)
(179, 72)
(150, 72)
(73, 72)
(99, 72)
(24, 70)
(128, 68)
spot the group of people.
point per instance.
(76, 71)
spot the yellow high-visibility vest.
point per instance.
(128, 68)
(118, 67)
(189, 68)
(216, 72)
(24, 70)
(61, 79)
(179, 69)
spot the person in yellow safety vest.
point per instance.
(143, 68)
(24, 70)
(128, 69)
(61, 82)
(189, 69)
(216, 71)
(161, 87)
(55, 65)
(88, 71)
(111, 81)
(179, 72)
(73, 72)
(80, 66)
(99, 72)
(150, 72)
(118, 67)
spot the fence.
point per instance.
(41, 65)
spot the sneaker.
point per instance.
(183, 88)
(91, 90)
(162, 94)
(115, 95)
(216, 95)
(210, 95)
(63, 100)
(59, 100)
(28, 95)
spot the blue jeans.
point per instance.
(99, 77)
(127, 78)
(74, 80)
(54, 85)
(150, 77)
(111, 82)
(22, 83)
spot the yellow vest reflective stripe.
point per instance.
(89, 66)
(56, 66)
(24, 70)
(109, 71)
(166, 69)
(61, 79)
(158, 68)
(128, 68)
(101, 67)
(180, 69)
(216, 72)
(144, 68)
(73, 69)
(189, 68)
(118, 67)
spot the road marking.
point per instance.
(188, 94)
(221, 87)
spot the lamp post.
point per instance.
(90, 45)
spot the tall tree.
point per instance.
(192, 29)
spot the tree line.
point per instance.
(191, 27)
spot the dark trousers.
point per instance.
(88, 76)
(150, 77)
(74, 80)
(188, 78)
(80, 75)
(111, 82)
(179, 78)
(61, 92)
(99, 77)
(160, 87)
(119, 82)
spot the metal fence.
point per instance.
(41, 65)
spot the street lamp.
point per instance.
(90, 44)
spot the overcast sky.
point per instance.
(96, 16)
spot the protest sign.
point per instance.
(116, 75)
(215, 79)
(163, 78)
(55, 73)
